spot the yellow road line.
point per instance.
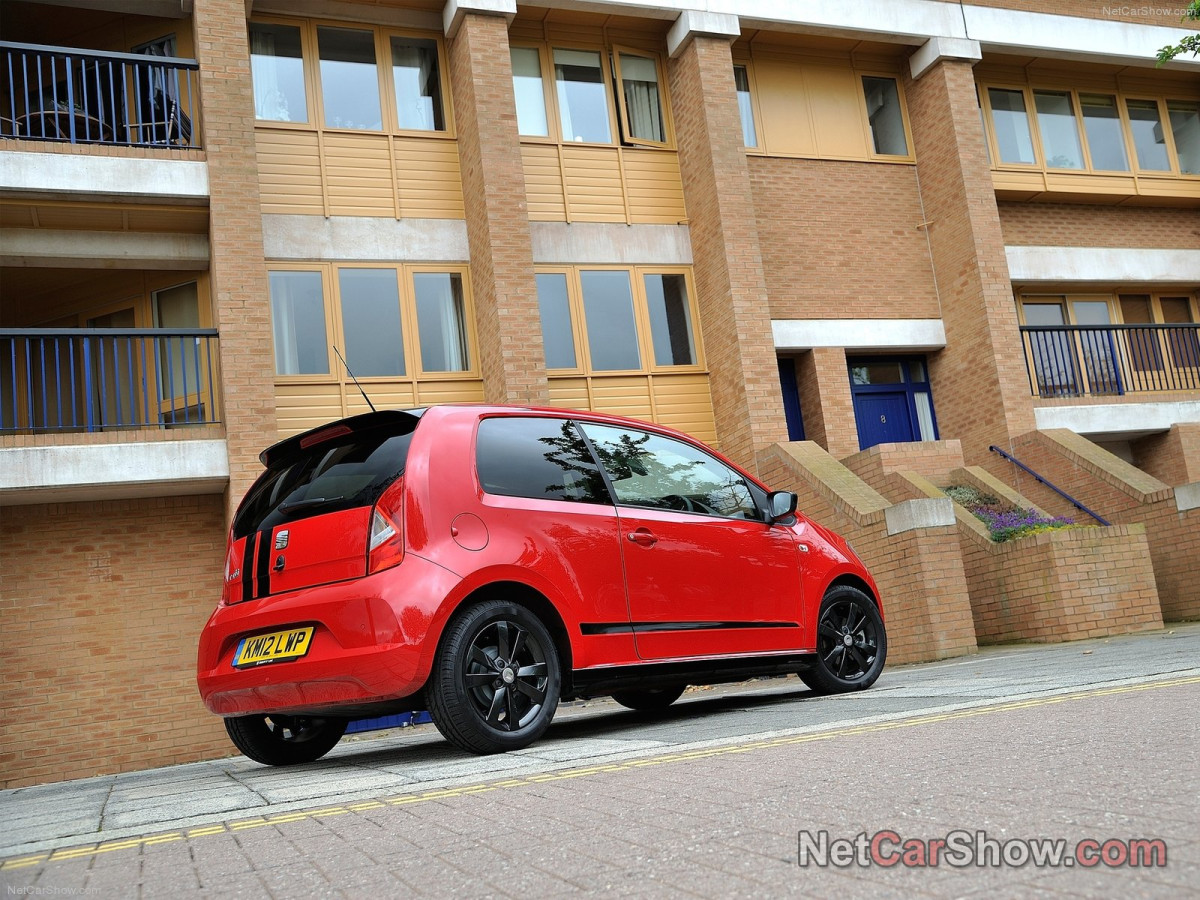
(543, 777)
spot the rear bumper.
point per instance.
(371, 642)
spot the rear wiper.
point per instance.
(307, 504)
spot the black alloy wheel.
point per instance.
(284, 740)
(496, 680)
(851, 643)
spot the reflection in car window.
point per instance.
(651, 470)
(546, 459)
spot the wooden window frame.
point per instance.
(381, 35)
(626, 129)
(641, 318)
(759, 126)
(549, 94)
(414, 370)
(910, 156)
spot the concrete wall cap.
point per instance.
(454, 10)
(1187, 496)
(692, 22)
(937, 49)
(913, 514)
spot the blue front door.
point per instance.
(883, 419)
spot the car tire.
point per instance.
(496, 682)
(284, 740)
(851, 643)
(649, 700)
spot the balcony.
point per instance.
(80, 96)
(91, 379)
(1111, 360)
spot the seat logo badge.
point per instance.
(281, 540)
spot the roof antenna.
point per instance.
(352, 378)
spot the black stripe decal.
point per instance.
(263, 566)
(248, 567)
(591, 628)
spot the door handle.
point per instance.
(643, 536)
(280, 563)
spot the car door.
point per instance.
(705, 574)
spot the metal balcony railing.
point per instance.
(92, 379)
(91, 97)
(1109, 360)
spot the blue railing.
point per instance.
(91, 379)
(1108, 360)
(1042, 480)
(91, 97)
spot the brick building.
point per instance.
(859, 225)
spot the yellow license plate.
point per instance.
(275, 646)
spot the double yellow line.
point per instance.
(523, 781)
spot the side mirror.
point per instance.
(782, 504)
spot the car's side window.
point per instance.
(654, 471)
(541, 458)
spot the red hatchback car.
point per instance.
(486, 562)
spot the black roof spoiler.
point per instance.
(294, 445)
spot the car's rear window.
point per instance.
(343, 472)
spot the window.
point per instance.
(298, 323)
(441, 324)
(374, 341)
(884, 116)
(649, 470)
(1060, 133)
(277, 68)
(741, 83)
(670, 320)
(1102, 125)
(617, 320)
(178, 358)
(1185, 127)
(558, 334)
(582, 97)
(529, 91)
(608, 311)
(544, 459)
(1148, 137)
(417, 84)
(349, 80)
(641, 103)
(1011, 124)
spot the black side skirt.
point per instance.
(645, 676)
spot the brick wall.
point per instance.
(1122, 494)
(241, 302)
(505, 292)
(826, 405)
(1174, 457)
(1078, 225)
(979, 380)
(101, 605)
(922, 586)
(842, 240)
(934, 460)
(728, 267)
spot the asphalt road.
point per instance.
(1090, 744)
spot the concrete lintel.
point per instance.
(600, 242)
(355, 238)
(1032, 265)
(44, 247)
(103, 177)
(911, 515)
(1187, 496)
(692, 22)
(69, 473)
(859, 334)
(1117, 421)
(934, 50)
(454, 10)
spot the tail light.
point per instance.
(231, 575)
(385, 544)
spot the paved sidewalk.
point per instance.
(412, 761)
